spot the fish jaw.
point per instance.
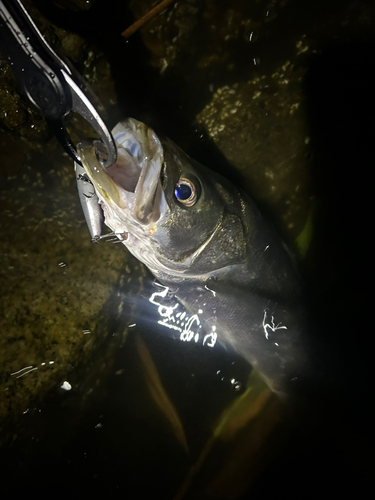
(129, 191)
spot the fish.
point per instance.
(206, 240)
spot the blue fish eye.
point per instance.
(182, 192)
(185, 192)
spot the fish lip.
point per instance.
(139, 147)
(130, 190)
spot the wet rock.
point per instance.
(56, 307)
(244, 68)
(16, 116)
(261, 128)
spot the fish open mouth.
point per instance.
(130, 190)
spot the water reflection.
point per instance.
(176, 318)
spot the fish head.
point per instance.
(167, 209)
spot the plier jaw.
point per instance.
(46, 80)
(82, 105)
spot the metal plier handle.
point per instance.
(46, 80)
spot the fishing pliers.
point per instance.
(54, 88)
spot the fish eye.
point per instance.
(186, 191)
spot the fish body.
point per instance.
(206, 240)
